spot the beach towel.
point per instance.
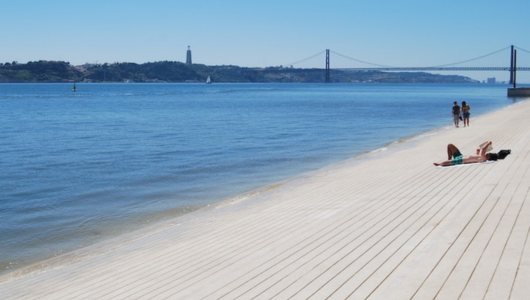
(465, 165)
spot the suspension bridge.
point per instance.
(510, 65)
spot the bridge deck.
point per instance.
(427, 69)
(390, 227)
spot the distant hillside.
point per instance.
(41, 71)
(168, 71)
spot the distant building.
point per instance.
(188, 56)
(491, 80)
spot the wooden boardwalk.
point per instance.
(391, 226)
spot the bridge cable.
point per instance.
(305, 59)
(451, 64)
(522, 49)
(465, 61)
(357, 60)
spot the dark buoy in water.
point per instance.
(74, 89)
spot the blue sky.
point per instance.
(266, 33)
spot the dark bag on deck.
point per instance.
(503, 153)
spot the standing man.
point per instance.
(456, 113)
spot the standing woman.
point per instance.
(465, 112)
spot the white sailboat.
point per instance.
(208, 80)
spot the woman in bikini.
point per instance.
(465, 113)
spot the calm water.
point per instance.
(80, 167)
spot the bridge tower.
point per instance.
(514, 53)
(511, 66)
(327, 65)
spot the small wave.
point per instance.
(243, 197)
(378, 150)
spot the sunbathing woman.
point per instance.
(456, 158)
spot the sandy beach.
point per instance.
(388, 225)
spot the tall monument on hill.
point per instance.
(188, 56)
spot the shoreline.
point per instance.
(243, 199)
